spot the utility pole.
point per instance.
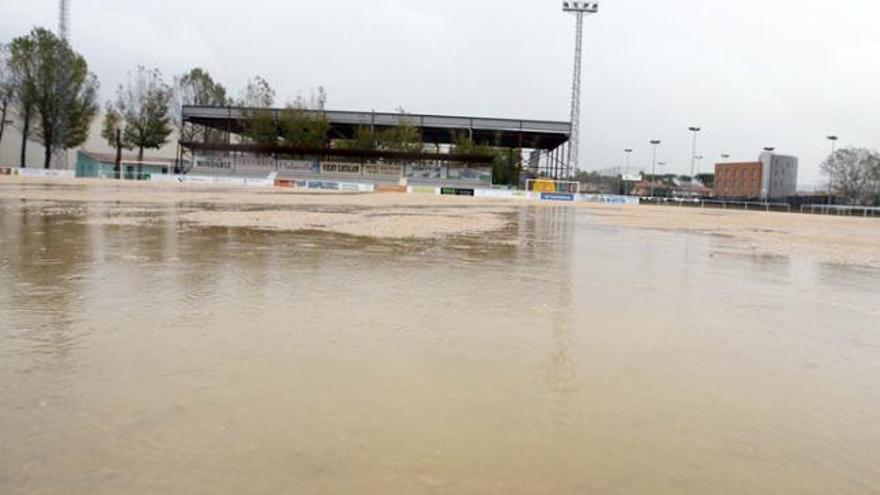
(579, 9)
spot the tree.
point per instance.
(506, 166)
(301, 128)
(65, 94)
(22, 59)
(52, 86)
(197, 87)
(707, 179)
(6, 87)
(257, 94)
(404, 138)
(365, 139)
(141, 111)
(260, 125)
(854, 174)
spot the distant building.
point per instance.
(772, 177)
(780, 175)
(740, 180)
(103, 166)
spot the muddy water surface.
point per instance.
(564, 356)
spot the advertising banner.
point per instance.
(213, 163)
(382, 170)
(334, 168)
(424, 190)
(557, 197)
(299, 167)
(425, 172)
(456, 191)
(470, 174)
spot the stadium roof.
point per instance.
(510, 133)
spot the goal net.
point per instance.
(552, 186)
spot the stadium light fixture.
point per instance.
(579, 9)
(586, 7)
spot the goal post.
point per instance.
(143, 170)
(553, 186)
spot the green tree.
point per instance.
(257, 94)
(854, 174)
(198, 88)
(506, 166)
(366, 138)
(141, 111)
(6, 87)
(301, 128)
(67, 95)
(21, 67)
(404, 138)
(261, 126)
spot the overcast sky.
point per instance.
(752, 73)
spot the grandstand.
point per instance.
(218, 146)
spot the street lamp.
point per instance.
(579, 9)
(695, 130)
(769, 149)
(628, 152)
(655, 143)
(725, 156)
(833, 140)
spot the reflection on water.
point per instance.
(560, 356)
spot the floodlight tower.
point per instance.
(579, 9)
(64, 19)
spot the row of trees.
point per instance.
(854, 175)
(54, 98)
(48, 88)
(51, 90)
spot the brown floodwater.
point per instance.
(571, 357)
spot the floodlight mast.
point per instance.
(64, 19)
(579, 9)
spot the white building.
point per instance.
(780, 176)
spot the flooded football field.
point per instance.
(559, 354)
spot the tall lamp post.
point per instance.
(695, 130)
(579, 9)
(699, 165)
(833, 140)
(655, 143)
(628, 152)
(725, 156)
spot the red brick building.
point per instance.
(738, 180)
